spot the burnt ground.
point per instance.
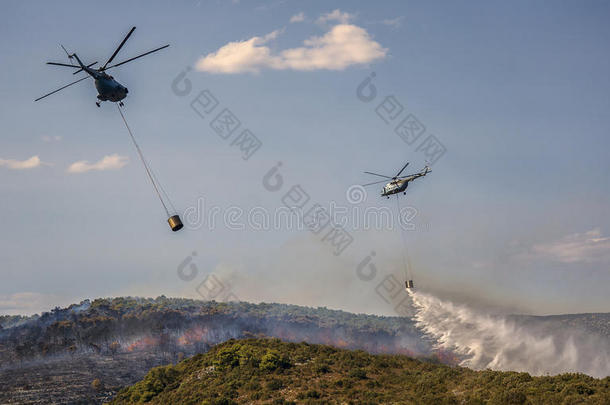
(68, 379)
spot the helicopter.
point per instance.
(397, 183)
(108, 89)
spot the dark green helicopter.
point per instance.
(108, 89)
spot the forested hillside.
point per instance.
(173, 325)
(270, 371)
(116, 341)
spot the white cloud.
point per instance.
(300, 17)
(343, 46)
(13, 164)
(393, 22)
(335, 15)
(588, 247)
(110, 162)
(55, 138)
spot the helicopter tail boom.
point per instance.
(84, 67)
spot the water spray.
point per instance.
(496, 342)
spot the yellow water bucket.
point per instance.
(175, 223)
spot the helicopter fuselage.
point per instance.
(109, 89)
(400, 185)
(395, 187)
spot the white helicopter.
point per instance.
(397, 183)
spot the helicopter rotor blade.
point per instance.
(81, 69)
(375, 182)
(63, 64)
(119, 47)
(401, 170)
(136, 57)
(61, 88)
(380, 175)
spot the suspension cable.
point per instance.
(406, 260)
(169, 201)
(148, 172)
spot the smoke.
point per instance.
(496, 342)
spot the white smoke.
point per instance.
(495, 342)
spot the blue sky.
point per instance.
(514, 215)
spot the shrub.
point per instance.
(321, 368)
(308, 394)
(358, 373)
(509, 397)
(273, 360)
(227, 357)
(275, 384)
(97, 384)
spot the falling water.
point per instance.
(495, 342)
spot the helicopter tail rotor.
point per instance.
(427, 168)
(68, 54)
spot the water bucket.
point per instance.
(175, 223)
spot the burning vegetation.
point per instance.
(170, 325)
